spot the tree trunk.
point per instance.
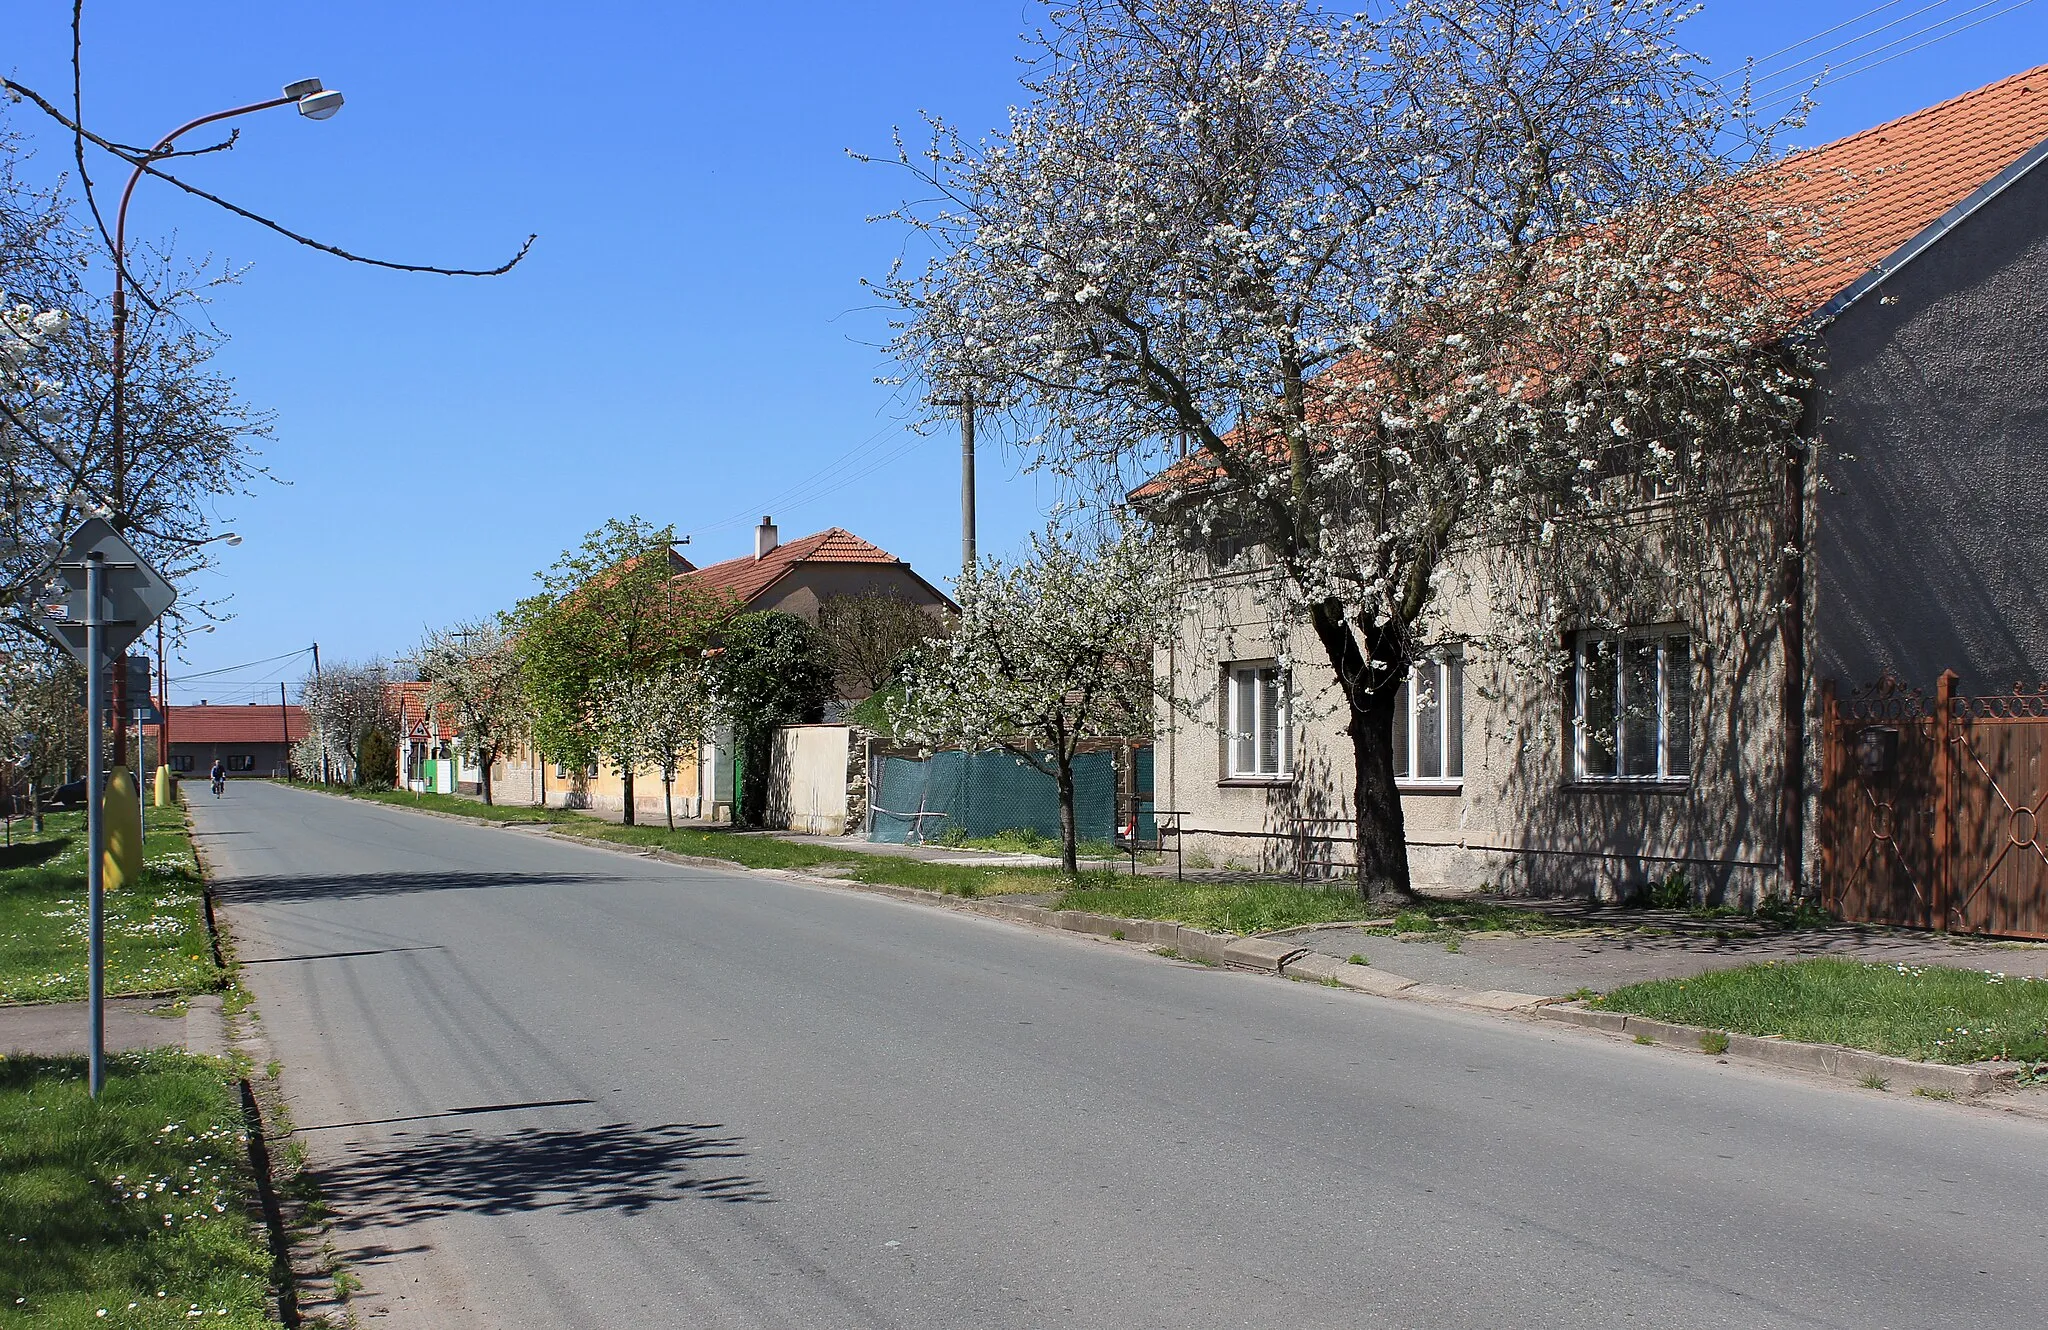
(1382, 838)
(1382, 832)
(668, 796)
(483, 767)
(1070, 860)
(626, 781)
(35, 806)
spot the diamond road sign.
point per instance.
(133, 594)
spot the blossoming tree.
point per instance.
(652, 719)
(472, 675)
(1049, 652)
(1385, 298)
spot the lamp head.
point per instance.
(231, 538)
(315, 102)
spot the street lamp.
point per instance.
(315, 102)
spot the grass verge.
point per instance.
(1260, 907)
(133, 1210)
(1235, 907)
(1930, 1013)
(1026, 840)
(155, 935)
(449, 803)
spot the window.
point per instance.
(1633, 706)
(1429, 724)
(181, 761)
(1259, 742)
(241, 762)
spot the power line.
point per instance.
(823, 481)
(1931, 41)
(1765, 60)
(1754, 69)
(245, 665)
(1778, 83)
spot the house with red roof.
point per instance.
(797, 577)
(251, 740)
(1691, 751)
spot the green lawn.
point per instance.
(1026, 840)
(1250, 907)
(132, 1211)
(1930, 1013)
(1260, 907)
(449, 803)
(156, 934)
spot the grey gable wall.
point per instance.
(1931, 543)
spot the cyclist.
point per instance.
(220, 778)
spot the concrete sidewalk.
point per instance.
(1604, 959)
(58, 1029)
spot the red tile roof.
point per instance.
(746, 577)
(1876, 190)
(256, 723)
(409, 704)
(1902, 176)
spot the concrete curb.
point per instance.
(1272, 954)
(1825, 1059)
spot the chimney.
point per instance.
(764, 538)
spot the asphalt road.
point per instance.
(557, 1086)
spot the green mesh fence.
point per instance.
(981, 794)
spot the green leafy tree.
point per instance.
(612, 608)
(773, 669)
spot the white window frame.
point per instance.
(1663, 637)
(1448, 671)
(1239, 728)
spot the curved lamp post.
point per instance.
(315, 102)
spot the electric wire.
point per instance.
(1845, 73)
(1778, 85)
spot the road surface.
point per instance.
(557, 1086)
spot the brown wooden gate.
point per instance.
(1930, 809)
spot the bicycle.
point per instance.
(220, 784)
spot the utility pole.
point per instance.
(284, 727)
(965, 404)
(326, 777)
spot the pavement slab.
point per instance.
(1604, 959)
(549, 1085)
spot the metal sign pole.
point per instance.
(95, 828)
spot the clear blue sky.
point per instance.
(688, 341)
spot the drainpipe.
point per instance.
(1792, 692)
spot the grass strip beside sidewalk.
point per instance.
(1929, 1013)
(133, 1210)
(155, 933)
(1236, 907)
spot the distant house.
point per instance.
(251, 740)
(795, 578)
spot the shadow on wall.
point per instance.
(363, 886)
(1717, 828)
(618, 1168)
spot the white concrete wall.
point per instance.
(807, 779)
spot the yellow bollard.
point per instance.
(163, 786)
(121, 816)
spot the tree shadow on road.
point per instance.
(286, 890)
(568, 1170)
